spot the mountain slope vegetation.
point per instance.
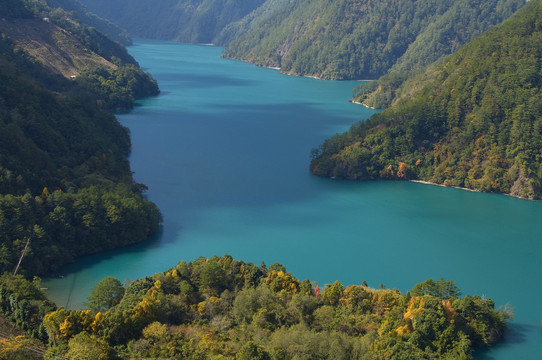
(60, 43)
(92, 20)
(363, 39)
(344, 39)
(474, 122)
(191, 21)
(229, 309)
(66, 188)
(252, 20)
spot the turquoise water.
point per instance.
(225, 151)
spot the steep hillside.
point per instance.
(56, 49)
(194, 21)
(66, 188)
(256, 18)
(86, 17)
(363, 39)
(91, 38)
(62, 45)
(474, 122)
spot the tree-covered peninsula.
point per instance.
(66, 188)
(473, 121)
(222, 308)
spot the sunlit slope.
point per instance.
(363, 39)
(476, 121)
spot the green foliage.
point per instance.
(257, 321)
(24, 303)
(92, 21)
(117, 89)
(182, 20)
(333, 293)
(472, 121)
(105, 294)
(363, 39)
(441, 288)
(65, 226)
(65, 182)
(18, 348)
(86, 347)
(10, 9)
(251, 21)
(251, 351)
(64, 13)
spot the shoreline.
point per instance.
(472, 190)
(446, 186)
(367, 106)
(306, 76)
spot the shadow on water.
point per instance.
(88, 261)
(515, 334)
(262, 128)
(269, 137)
(196, 81)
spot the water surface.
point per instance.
(225, 151)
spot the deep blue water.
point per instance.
(225, 151)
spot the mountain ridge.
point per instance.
(55, 48)
(66, 189)
(361, 39)
(475, 121)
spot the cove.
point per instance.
(225, 151)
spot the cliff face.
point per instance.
(56, 49)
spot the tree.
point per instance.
(106, 294)
(84, 346)
(251, 351)
(17, 348)
(212, 277)
(441, 288)
(333, 293)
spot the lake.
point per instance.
(225, 151)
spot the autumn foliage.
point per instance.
(266, 313)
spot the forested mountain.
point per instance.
(363, 39)
(63, 45)
(254, 19)
(194, 21)
(86, 17)
(60, 28)
(221, 308)
(473, 121)
(339, 39)
(66, 187)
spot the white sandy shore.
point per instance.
(308, 76)
(359, 103)
(448, 186)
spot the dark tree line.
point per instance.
(65, 182)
